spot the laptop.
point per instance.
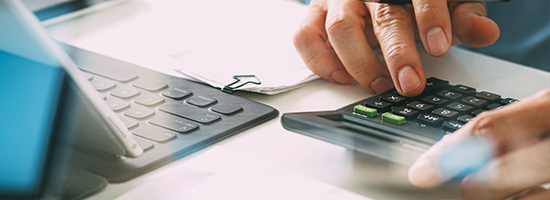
(125, 120)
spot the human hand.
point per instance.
(337, 37)
(519, 135)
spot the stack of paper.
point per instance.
(242, 37)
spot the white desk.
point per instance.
(321, 161)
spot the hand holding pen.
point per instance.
(338, 39)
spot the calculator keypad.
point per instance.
(441, 105)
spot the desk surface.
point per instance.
(104, 32)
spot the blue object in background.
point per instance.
(28, 106)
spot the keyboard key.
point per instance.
(474, 101)
(494, 106)
(438, 101)
(148, 100)
(508, 101)
(200, 101)
(433, 84)
(117, 104)
(102, 84)
(465, 118)
(108, 72)
(144, 144)
(394, 99)
(174, 123)
(406, 112)
(452, 125)
(463, 89)
(228, 109)
(149, 84)
(138, 113)
(489, 96)
(176, 93)
(449, 94)
(379, 105)
(128, 122)
(125, 92)
(448, 114)
(429, 119)
(190, 112)
(396, 119)
(424, 107)
(460, 107)
(155, 133)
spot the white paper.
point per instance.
(220, 174)
(242, 37)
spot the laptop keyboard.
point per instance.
(396, 127)
(169, 117)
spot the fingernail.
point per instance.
(340, 76)
(381, 84)
(437, 41)
(408, 79)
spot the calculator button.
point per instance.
(460, 107)
(404, 111)
(494, 106)
(393, 98)
(439, 101)
(465, 118)
(508, 101)
(396, 119)
(478, 111)
(433, 84)
(489, 96)
(430, 119)
(363, 110)
(463, 89)
(452, 125)
(445, 113)
(424, 107)
(379, 105)
(477, 102)
(449, 94)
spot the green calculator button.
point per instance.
(396, 119)
(364, 110)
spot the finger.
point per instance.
(434, 25)
(471, 26)
(394, 30)
(510, 174)
(345, 27)
(506, 128)
(539, 193)
(311, 42)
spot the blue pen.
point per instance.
(410, 1)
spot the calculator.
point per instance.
(395, 127)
